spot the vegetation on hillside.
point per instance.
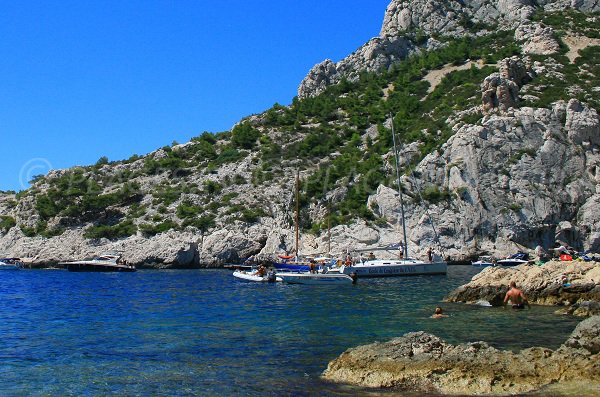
(338, 139)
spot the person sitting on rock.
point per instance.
(516, 296)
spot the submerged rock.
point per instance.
(425, 363)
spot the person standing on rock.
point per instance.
(516, 296)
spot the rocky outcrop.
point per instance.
(560, 5)
(427, 364)
(537, 39)
(447, 17)
(377, 54)
(501, 90)
(403, 19)
(572, 284)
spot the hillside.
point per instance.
(501, 155)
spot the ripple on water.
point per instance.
(190, 333)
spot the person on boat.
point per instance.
(348, 261)
(312, 266)
(438, 313)
(430, 254)
(516, 296)
(371, 256)
(262, 271)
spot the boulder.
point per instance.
(424, 363)
(554, 283)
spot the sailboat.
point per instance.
(294, 262)
(404, 266)
(297, 271)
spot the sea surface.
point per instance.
(205, 333)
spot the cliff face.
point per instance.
(501, 155)
(410, 27)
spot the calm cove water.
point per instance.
(205, 333)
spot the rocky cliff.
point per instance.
(500, 154)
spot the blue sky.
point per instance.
(85, 79)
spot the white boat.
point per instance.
(104, 263)
(484, 261)
(316, 278)
(10, 264)
(404, 266)
(254, 275)
(517, 259)
(394, 268)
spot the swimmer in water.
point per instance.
(516, 296)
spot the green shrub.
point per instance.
(7, 223)
(111, 232)
(202, 223)
(244, 135)
(251, 215)
(212, 187)
(434, 195)
(151, 230)
(188, 210)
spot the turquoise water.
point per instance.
(205, 333)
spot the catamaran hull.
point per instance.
(416, 269)
(316, 279)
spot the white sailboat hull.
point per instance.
(395, 268)
(252, 276)
(316, 278)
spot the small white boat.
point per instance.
(484, 261)
(254, 275)
(10, 264)
(517, 259)
(316, 278)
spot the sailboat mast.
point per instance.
(297, 208)
(405, 248)
(328, 228)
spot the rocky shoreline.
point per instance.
(425, 363)
(573, 286)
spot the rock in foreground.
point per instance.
(425, 363)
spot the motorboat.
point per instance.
(519, 258)
(317, 278)
(256, 275)
(10, 264)
(394, 268)
(484, 261)
(104, 263)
